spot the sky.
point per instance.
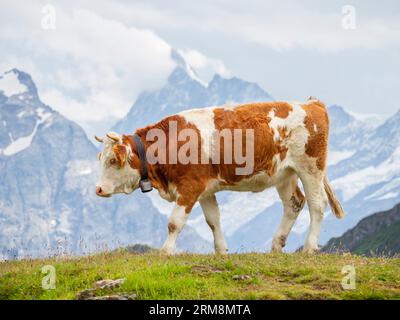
(91, 59)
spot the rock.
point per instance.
(240, 277)
(108, 284)
(90, 294)
(139, 248)
(206, 269)
(115, 297)
(86, 294)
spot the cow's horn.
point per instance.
(98, 139)
(114, 136)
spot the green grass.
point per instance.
(273, 276)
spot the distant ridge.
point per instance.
(377, 234)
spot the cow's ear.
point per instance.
(120, 153)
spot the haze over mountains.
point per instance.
(48, 170)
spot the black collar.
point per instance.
(145, 183)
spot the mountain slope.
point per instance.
(376, 234)
(48, 170)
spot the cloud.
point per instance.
(89, 68)
(94, 64)
(287, 25)
(205, 66)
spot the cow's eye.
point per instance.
(113, 161)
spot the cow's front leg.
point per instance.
(210, 209)
(176, 223)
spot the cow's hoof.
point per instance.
(166, 252)
(276, 249)
(310, 250)
(221, 252)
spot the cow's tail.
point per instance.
(333, 201)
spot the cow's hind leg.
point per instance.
(212, 215)
(176, 223)
(317, 202)
(293, 201)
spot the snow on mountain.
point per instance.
(48, 170)
(10, 84)
(184, 90)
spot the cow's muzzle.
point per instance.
(100, 192)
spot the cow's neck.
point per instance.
(155, 174)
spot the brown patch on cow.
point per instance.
(182, 176)
(282, 240)
(297, 200)
(281, 109)
(283, 135)
(253, 116)
(120, 154)
(171, 227)
(317, 143)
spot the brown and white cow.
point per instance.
(289, 143)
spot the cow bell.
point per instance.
(145, 185)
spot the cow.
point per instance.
(289, 143)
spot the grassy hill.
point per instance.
(377, 234)
(151, 276)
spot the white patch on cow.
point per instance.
(203, 119)
(178, 220)
(171, 194)
(10, 85)
(298, 134)
(315, 127)
(113, 179)
(294, 119)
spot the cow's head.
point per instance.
(117, 174)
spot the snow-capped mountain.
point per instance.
(184, 90)
(362, 162)
(48, 170)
